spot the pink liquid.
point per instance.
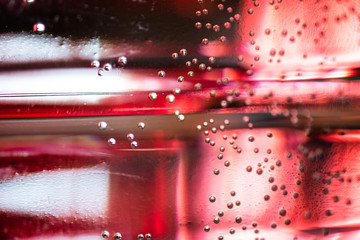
(264, 145)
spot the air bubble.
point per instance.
(216, 220)
(251, 139)
(194, 61)
(152, 96)
(161, 73)
(117, 236)
(212, 60)
(95, 64)
(111, 141)
(170, 98)
(248, 168)
(133, 144)
(180, 79)
(250, 11)
(181, 117)
(176, 91)
(198, 25)
(130, 136)
(207, 228)
(102, 125)
(105, 234)
(216, 171)
(122, 61)
(141, 125)
(140, 237)
(222, 39)
(174, 55)
(208, 25)
(205, 11)
(227, 163)
(202, 66)
(230, 205)
(212, 199)
(148, 236)
(100, 72)
(107, 67)
(190, 74)
(183, 52)
(221, 7)
(39, 27)
(205, 41)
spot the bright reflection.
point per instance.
(59, 193)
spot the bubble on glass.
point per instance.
(170, 98)
(198, 13)
(188, 64)
(226, 163)
(107, 67)
(152, 96)
(248, 168)
(100, 72)
(134, 144)
(140, 237)
(197, 86)
(200, 1)
(176, 91)
(266, 197)
(181, 117)
(220, 7)
(216, 220)
(232, 231)
(95, 64)
(198, 25)
(205, 41)
(122, 61)
(198, 127)
(174, 55)
(251, 138)
(190, 74)
(102, 125)
(39, 27)
(227, 25)
(229, 10)
(148, 236)
(105, 234)
(212, 199)
(161, 73)
(130, 136)
(237, 17)
(117, 236)
(141, 125)
(183, 52)
(205, 11)
(222, 39)
(216, 28)
(249, 72)
(216, 171)
(111, 141)
(180, 79)
(208, 25)
(250, 11)
(207, 228)
(220, 213)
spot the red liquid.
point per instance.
(269, 151)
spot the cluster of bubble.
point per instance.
(117, 236)
(122, 61)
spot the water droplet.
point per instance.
(205, 11)
(212, 199)
(197, 86)
(100, 72)
(250, 11)
(161, 73)
(117, 236)
(259, 171)
(122, 61)
(227, 25)
(205, 41)
(212, 60)
(251, 139)
(140, 237)
(148, 236)
(170, 98)
(111, 141)
(198, 13)
(176, 91)
(180, 79)
(237, 17)
(249, 72)
(130, 136)
(282, 212)
(107, 67)
(183, 52)
(198, 25)
(216, 171)
(202, 66)
(227, 163)
(105, 234)
(221, 7)
(267, 197)
(221, 213)
(249, 168)
(190, 74)
(216, 220)
(102, 125)
(229, 9)
(207, 228)
(39, 27)
(200, 1)
(95, 64)
(222, 39)
(238, 219)
(267, 31)
(273, 225)
(174, 55)
(208, 25)
(232, 231)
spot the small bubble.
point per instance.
(273, 225)
(102, 125)
(188, 64)
(152, 96)
(170, 98)
(266, 197)
(130, 136)
(198, 25)
(216, 171)
(180, 79)
(95, 64)
(229, 9)
(208, 25)
(282, 212)
(238, 219)
(117, 236)
(222, 39)
(39, 27)
(274, 187)
(230, 205)
(176, 91)
(111, 141)
(249, 168)
(202, 66)
(183, 52)
(249, 72)
(105, 234)
(207, 228)
(133, 144)
(227, 25)
(237, 17)
(271, 179)
(181, 117)
(122, 61)
(221, 7)
(100, 72)
(232, 193)
(174, 55)
(232, 231)
(251, 139)
(198, 127)
(250, 11)
(200, 1)
(216, 220)
(267, 31)
(161, 73)
(205, 11)
(198, 13)
(107, 67)
(148, 236)
(194, 61)
(212, 60)
(269, 134)
(205, 41)
(140, 237)
(259, 171)
(190, 74)
(221, 213)
(227, 163)
(141, 125)
(220, 237)
(287, 222)
(237, 203)
(220, 156)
